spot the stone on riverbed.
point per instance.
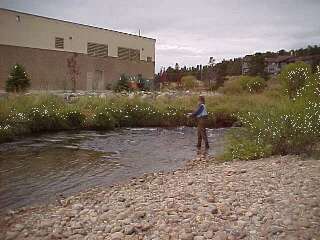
(117, 236)
(11, 235)
(128, 230)
(77, 206)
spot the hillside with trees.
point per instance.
(214, 74)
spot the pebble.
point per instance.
(209, 234)
(11, 235)
(128, 230)
(186, 236)
(213, 209)
(77, 206)
(19, 227)
(117, 236)
(198, 238)
(220, 235)
(140, 214)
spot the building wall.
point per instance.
(48, 69)
(26, 30)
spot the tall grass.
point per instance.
(290, 127)
(243, 84)
(22, 115)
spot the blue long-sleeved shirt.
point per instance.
(200, 112)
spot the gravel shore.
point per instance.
(274, 198)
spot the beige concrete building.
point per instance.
(54, 51)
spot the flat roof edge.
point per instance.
(81, 24)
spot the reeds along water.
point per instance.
(21, 115)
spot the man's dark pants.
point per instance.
(202, 132)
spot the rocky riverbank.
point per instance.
(274, 198)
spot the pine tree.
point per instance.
(18, 80)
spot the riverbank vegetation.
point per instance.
(243, 84)
(25, 114)
(292, 126)
(279, 116)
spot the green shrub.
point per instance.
(222, 119)
(6, 133)
(290, 127)
(311, 90)
(175, 116)
(44, 119)
(103, 120)
(243, 84)
(252, 84)
(242, 147)
(189, 82)
(122, 84)
(232, 87)
(74, 118)
(132, 115)
(18, 80)
(294, 76)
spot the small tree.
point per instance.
(252, 84)
(189, 82)
(294, 76)
(257, 66)
(311, 91)
(73, 70)
(18, 80)
(122, 84)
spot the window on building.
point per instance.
(128, 54)
(149, 59)
(134, 54)
(123, 53)
(59, 42)
(97, 50)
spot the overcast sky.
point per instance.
(189, 31)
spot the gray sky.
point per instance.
(189, 32)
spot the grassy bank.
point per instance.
(279, 116)
(292, 126)
(22, 115)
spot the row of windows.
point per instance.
(101, 50)
(128, 54)
(97, 50)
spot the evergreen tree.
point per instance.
(177, 67)
(257, 65)
(18, 80)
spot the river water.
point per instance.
(39, 169)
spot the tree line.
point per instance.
(214, 74)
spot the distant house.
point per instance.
(245, 67)
(274, 65)
(311, 59)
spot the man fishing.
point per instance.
(201, 115)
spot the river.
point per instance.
(40, 169)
